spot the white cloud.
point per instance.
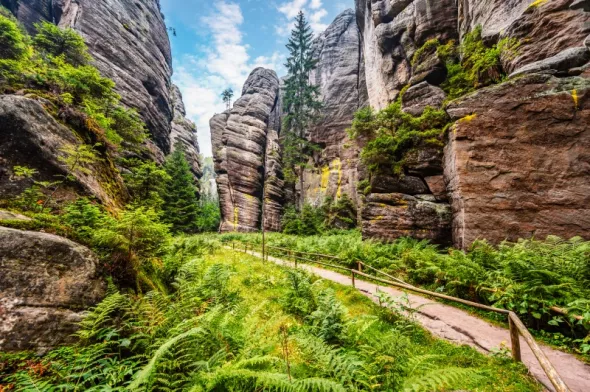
(226, 63)
(311, 8)
(315, 4)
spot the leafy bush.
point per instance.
(84, 217)
(52, 41)
(473, 64)
(13, 43)
(393, 134)
(310, 221)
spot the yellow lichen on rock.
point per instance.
(537, 3)
(236, 218)
(575, 98)
(468, 118)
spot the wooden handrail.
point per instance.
(517, 327)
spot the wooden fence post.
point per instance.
(515, 340)
(360, 266)
(353, 280)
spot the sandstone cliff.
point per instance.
(129, 43)
(340, 77)
(245, 142)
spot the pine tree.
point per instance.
(181, 206)
(227, 95)
(300, 100)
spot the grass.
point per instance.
(231, 324)
(529, 277)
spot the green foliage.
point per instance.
(53, 41)
(310, 221)
(22, 172)
(180, 207)
(301, 101)
(340, 214)
(473, 64)
(146, 183)
(199, 339)
(299, 299)
(209, 216)
(131, 242)
(84, 217)
(13, 43)
(528, 277)
(55, 63)
(327, 321)
(393, 134)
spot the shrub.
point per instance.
(13, 43)
(393, 133)
(84, 217)
(310, 221)
(51, 40)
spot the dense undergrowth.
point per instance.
(529, 277)
(232, 323)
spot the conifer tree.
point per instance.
(180, 206)
(300, 100)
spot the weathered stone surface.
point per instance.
(560, 64)
(339, 75)
(274, 183)
(418, 97)
(129, 43)
(184, 132)
(545, 30)
(494, 16)
(517, 162)
(393, 215)
(240, 140)
(391, 35)
(30, 137)
(393, 184)
(45, 283)
(12, 216)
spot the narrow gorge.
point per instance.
(514, 163)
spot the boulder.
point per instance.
(240, 140)
(13, 216)
(46, 283)
(560, 64)
(418, 97)
(517, 162)
(390, 216)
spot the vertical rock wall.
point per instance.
(129, 43)
(518, 160)
(245, 140)
(340, 77)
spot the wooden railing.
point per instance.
(517, 327)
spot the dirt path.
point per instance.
(460, 327)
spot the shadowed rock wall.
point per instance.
(340, 77)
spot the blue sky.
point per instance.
(219, 42)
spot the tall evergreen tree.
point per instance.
(180, 206)
(300, 100)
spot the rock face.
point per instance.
(340, 77)
(184, 133)
(32, 138)
(517, 161)
(392, 31)
(45, 283)
(129, 43)
(244, 139)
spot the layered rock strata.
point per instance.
(247, 156)
(340, 78)
(517, 161)
(128, 41)
(46, 283)
(184, 133)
